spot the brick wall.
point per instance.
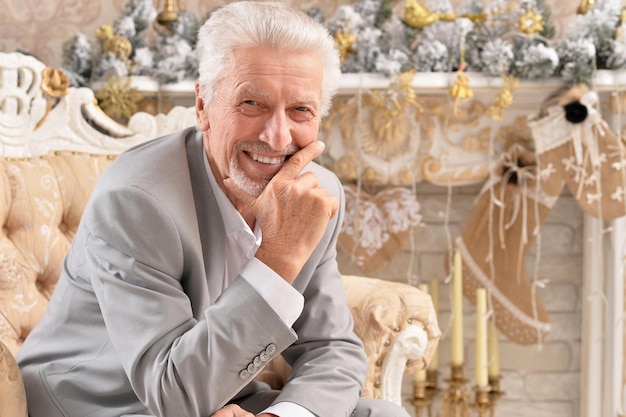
(539, 381)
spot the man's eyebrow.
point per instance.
(252, 91)
(305, 100)
(247, 90)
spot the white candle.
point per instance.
(481, 338)
(494, 350)
(420, 376)
(434, 295)
(457, 312)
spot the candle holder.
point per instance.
(432, 382)
(482, 401)
(455, 401)
(456, 397)
(422, 399)
(495, 393)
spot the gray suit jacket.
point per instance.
(138, 319)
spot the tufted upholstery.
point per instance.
(41, 204)
(46, 176)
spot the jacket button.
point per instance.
(244, 374)
(251, 368)
(257, 361)
(270, 349)
(264, 356)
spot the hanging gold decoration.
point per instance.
(118, 99)
(530, 23)
(54, 84)
(345, 43)
(168, 14)
(585, 6)
(460, 90)
(504, 98)
(418, 16)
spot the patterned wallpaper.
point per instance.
(41, 27)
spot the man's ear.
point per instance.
(202, 118)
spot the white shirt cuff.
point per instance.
(286, 301)
(284, 409)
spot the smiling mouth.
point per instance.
(270, 160)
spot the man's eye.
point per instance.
(302, 108)
(250, 102)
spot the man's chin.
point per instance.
(253, 188)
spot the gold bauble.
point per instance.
(119, 46)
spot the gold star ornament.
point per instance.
(530, 23)
(118, 99)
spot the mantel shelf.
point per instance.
(434, 82)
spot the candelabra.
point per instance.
(456, 400)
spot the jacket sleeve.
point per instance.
(176, 364)
(328, 360)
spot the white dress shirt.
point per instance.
(241, 246)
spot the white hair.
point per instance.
(262, 24)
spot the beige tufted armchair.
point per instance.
(49, 163)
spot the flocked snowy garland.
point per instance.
(500, 38)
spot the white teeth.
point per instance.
(267, 159)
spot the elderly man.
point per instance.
(204, 254)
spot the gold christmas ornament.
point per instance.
(530, 23)
(119, 46)
(118, 99)
(345, 43)
(112, 43)
(460, 89)
(503, 99)
(585, 6)
(418, 16)
(105, 32)
(54, 84)
(169, 15)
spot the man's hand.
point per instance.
(293, 212)
(232, 410)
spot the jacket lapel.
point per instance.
(210, 224)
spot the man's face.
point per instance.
(263, 111)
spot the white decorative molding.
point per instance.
(410, 344)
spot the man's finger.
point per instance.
(294, 166)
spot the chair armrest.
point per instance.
(398, 326)
(12, 394)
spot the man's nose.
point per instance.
(276, 131)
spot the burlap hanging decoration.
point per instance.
(377, 227)
(575, 144)
(497, 238)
